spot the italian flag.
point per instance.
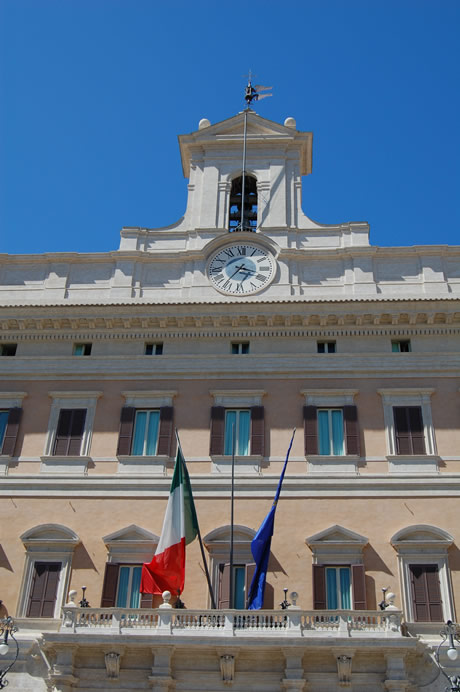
(166, 571)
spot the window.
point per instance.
(402, 346)
(409, 432)
(45, 583)
(82, 349)
(237, 426)
(9, 428)
(409, 428)
(326, 347)
(128, 549)
(240, 347)
(250, 204)
(242, 578)
(8, 349)
(145, 432)
(155, 349)
(338, 571)
(424, 572)
(331, 431)
(69, 433)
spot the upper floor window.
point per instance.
(409, 431)
(247, 425)
(401, 346)
(249, 220)
(240, 347)
(82, 349)
(408, 422)
(155, 349)
(69, 433)
(8, 349)
(237, 426)
(145, 438)
(331, 431)
(326, 347)
(9, 426)
(145, 432)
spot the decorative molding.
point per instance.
(237, 397)
(328, 397)
(143, 398)
(227, 668)
(112, 664)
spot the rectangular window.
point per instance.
(82, 349)
(69, 434)
(402, 346)
(146, 428)
(129, 581)
(409, 432)
(237, 424)
(242, 577)
(338, 588)
(154, 349)
(4, 415)
(8, 349)
(326, 347)
(426, 593)
(43, 590)
(240, 347)
(330, 432)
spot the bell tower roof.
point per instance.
(227, 136)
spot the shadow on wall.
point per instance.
(82, 559)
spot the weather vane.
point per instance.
(253, 93)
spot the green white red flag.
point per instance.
(166, 571)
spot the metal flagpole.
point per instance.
(232, 503)
(208, 578)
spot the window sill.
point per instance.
(413, 463)
(222, 464)
(323, 463)
(155, 465)
(60, 464)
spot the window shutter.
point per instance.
(11, 432)
(109, 588)
(166, 431)
(217, 430)
(426, 594)
(358, 581)
(125, 436)
(257, 431)
(249, 573)
(224, 586)
(402, 433)
(434, 593)
(310, 430)
(146, 600)
(319, 587)
(43, 591)
(76, 431)
(416, 429)
(350, 416)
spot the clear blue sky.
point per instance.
(94, 93)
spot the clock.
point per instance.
(241, 269)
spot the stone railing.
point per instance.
(232, 623)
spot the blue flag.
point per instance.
(260, 547)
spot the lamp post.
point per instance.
(449, 634)
(7, 629)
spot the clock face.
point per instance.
(241, 268)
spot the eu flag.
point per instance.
(260, 547)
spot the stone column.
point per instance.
(293, 680)
(61, 677)
(161, 679)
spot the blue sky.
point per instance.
(95, 92)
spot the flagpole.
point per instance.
(232, 510)
(208, 578)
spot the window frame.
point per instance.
(71, 400)
(401, 342)
(86, 348)
(149, 412)
(9, 401)
(155, 346)
(242, 348)
(409, 397)
(326, 346)
(330, 426)
(5, 347)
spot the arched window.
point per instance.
(250, 204)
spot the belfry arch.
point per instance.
(250, 204)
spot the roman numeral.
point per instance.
(219, 277)
(229, 253)
(239, 288)
(260, 277)
(241, 250)
(265, 268)
(215, 270)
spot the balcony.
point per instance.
(307, 624)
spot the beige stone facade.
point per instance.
(357, 347)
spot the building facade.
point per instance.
(208, 327)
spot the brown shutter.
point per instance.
(146, 600)
(217, 430)
(109, 588)
(166, 431)
(350, 416)
(426, 594)
(43, 590)
(248, 575)
(402, 432)
(358, 581)
(61, 443)
(76, 431)
(310, 430)
(257, 431)
(319, 587)
(125, 436)
(416, 429)
(224, 586)
(11, 432)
